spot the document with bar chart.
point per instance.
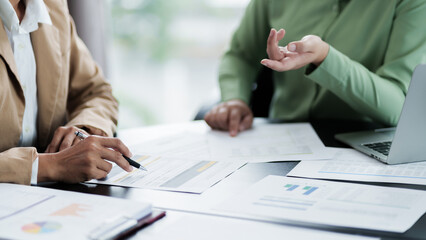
(284, 199)
(173, 174)
(349, 164)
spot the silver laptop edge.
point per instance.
(409, 138)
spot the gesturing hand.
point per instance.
(84, 160)
(233, 115)
(310, 49)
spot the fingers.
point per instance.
(246, 122)
(240, 121)
(228, 116)
(311, 49)
(271, 40)
(222, 118)
(117, 157)
(234, 122)
(56, 140)
(76, 141)
(217, 118)
(67, 141)
(58, 137)
(97, 174)
(280, 66)
(103, 147)
(272, 48)
(280, 34)
(284, 49)
(104, 165)
(86, 160)
(210, 118)
(63, 138)
(114, 143)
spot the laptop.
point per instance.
(405, 143)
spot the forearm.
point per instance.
(370, 94)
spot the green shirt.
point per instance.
(374, 48)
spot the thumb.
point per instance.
(300, 46)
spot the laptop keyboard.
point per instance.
(381, 147)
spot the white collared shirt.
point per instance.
(20, 41)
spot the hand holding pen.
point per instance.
(135, 164)
(88, 159)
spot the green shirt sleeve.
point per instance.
(380, 94)
(240, 64)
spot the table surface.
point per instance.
(182, 204)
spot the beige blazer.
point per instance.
(71, 91)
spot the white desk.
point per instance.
(198, 207)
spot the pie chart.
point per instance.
(41, 227)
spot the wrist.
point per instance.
(47, 168)
(324, 48)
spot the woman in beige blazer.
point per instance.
(72, 95)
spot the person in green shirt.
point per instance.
(341, 59)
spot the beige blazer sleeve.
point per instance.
(71, 90)
(16, 165)
(90, 100)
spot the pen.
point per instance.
(131, 162)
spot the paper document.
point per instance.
(280, 198)
(41, 213)
(16, 201)
(184, 145)
(167, 173)
(270, 142)
(205, 227)
(349, 164)
(262, 143)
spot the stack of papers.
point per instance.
(41, 213)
